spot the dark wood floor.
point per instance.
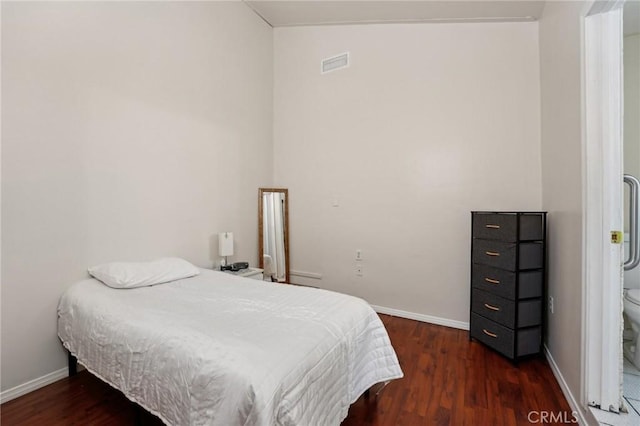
(448, 381)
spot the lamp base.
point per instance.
(223, 263)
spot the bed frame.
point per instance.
(73, 364)
(73, 370)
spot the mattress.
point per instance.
(217, 349)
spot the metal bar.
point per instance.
(634, 237)
(381, 388)
(473, 214)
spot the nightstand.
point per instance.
(253, 273)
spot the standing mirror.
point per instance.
(273, 233)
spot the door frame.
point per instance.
(602, 206)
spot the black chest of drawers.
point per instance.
(508, 270)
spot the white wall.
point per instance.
(632, 104)
(560, 76)
(631, 132)
(130, 131)
(428, 123)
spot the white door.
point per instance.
(603, 207)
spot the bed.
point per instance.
(217, 349)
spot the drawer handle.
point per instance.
(489, 280)
(493, 308)
(490, 334)
(492, 253)
(492, 226)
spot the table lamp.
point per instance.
(225, 246)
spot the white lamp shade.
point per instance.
(225, 244)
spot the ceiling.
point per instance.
(283, 13)
(324, 12)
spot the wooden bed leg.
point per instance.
(73, 365)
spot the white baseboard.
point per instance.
(32, 385)
(305, 274)
(573, 403)
(421, 317)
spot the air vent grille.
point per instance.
(335, 63)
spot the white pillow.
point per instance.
(140, 274)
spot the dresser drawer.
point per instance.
(503, 310)
(494, 307)
(504, 226)
(502, 255)
(492, 334)
(503, 283)
(493, 226)
(504, 339)
(497, 254)
(494, 280)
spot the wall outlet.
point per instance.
(551, 304)
(358, 254)
(359, 269)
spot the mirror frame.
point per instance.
(261, 191)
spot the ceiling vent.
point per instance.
(335, 63)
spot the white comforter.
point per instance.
(217, 349)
